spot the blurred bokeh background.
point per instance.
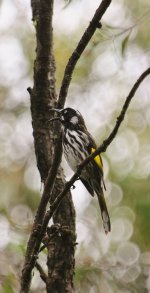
(112, 62)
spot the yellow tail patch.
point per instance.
(97, 159)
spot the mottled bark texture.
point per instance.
(60, 270)
(43, 98)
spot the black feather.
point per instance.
(87, 186)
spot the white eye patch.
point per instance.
(74, 120)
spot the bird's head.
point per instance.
(69, 118)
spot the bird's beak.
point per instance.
(57, 111)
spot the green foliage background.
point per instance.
(110, 65)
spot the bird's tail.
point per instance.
(104, 212)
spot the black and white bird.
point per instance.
(77, 145)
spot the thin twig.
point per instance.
(93, 25)
(42, 273)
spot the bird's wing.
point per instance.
(97, 160)
(91, 149)
(87, 186)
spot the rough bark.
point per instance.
(43, 98)
(60, 269)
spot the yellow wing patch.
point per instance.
(97, 159)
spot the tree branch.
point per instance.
(100, 149)
(93, 25)
(42, 273)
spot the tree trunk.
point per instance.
(43, 97)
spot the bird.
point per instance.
(78, 144)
